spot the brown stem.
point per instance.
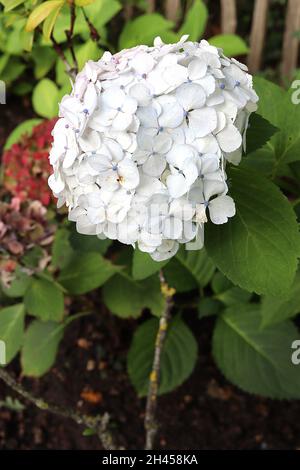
(70, 33)
(97, 423)
(58, 49)
(95, 36)
(151, 405)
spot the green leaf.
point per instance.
(259, 132)
(143, 30)
(19, 284)
(208, 307)
(226, 292)
(257, 361)
(189, 270)
(178, 358)
(88, 243)
(40, 347)
(12, 329)
(101, 11)
(258, 248)
(11, 4)
(195, 21)
(13, 70)
(144, 266)
(45, 98)
(44, 300)
(44, 59)
(231, 44)
(88, 51)
(277, 309)
(32, 257)
(62, 251)
(128, 298)
(25, 127)
(41, 12)
(85, 272)
(277, 107)
(50, 21)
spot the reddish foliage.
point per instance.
(26, 165)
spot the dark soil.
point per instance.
(206, 412)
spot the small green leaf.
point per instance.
(258, 248)
(25, 127)
(40, 347)
(45, 98)
(257, 361)
(88, 51)
(144, 266)
(143, 30)
(44, 300)
(127, 298)
(226, 292)
(231, 44)
(12, 329)
(178, 358)
(195, 21)
(85, 272)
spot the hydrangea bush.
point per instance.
(141, 146)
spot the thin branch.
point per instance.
(95, 36)
(70, 34)
(98, 423)
(58, 49)
(151, 405)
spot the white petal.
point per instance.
(142, 63)
(177, 185)
(154, 165)
(196, 69)
(203, 121)
(190, 96)
(229, 138)
(221, 208)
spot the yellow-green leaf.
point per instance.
(40, 13)
(50, 22)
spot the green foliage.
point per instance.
(258, 361)
(143, 29)
(40, 347)
(259, 132)
(277, 309)
(178, 356)
(258, 248)
(85, 272)
(126, 297)
(45, 98)
(195, 21)
(231, 44)
(144, 266)
(189, 270)
(19, 284)
(44, 300)
(12, 329)
(277, 107)
(24, 128)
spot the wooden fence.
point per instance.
(229, 20)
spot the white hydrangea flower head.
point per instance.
(142, 142)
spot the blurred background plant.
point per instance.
(51, 275)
